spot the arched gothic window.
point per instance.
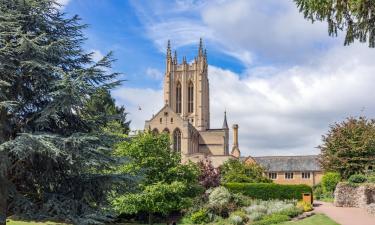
(166, 130)
(177, 140)
(190, 97)
(178, 98)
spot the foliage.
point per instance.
(200, 216)
(220, 200)
(267, 191)
(234, 170)
(238, 218)
(57, 165)
(260, 209)
(329, 182)
(370, 177)
(318, 191)
(100, 111)
(209, 175)
(292, 211)
(271, 219)
(356, 17)
(241, 200)
(305, 206)
(357, 178)
(165, 185)
(349, 147)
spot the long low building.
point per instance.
(303, 169)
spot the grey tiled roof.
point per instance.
(289, 163)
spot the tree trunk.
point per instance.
(3, 188)
(150, 219)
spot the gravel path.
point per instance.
(343, 215)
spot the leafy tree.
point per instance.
(209, 175)
(329, 182)
(100, 110)
(52, 164)
(166, 184)
(356, 17)
(349, 147)
(240, 172)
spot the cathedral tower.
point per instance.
(186, 88)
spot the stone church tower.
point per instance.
(186, 112)
(186, 88)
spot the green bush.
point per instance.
(317, 191)
(200, 216)
(357, 178)
(329, 181)
(233, 218)
(292, 212)
(241, 200)
(371, 177)
(272, 219)
(268, 191)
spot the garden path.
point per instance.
(344, 215)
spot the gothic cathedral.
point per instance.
(186, 112)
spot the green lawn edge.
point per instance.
(318, 219)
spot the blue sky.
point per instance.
(281, 78)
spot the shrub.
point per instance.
(292, 212)
(200, 216)
(371, 177)
(236, 220)
(305, 206)
(357, 178)
(219, 197)
(220, 201)
(241, 214)
(329, 181)
(317, 191)
(272, 219)
(268, 191)
(241, 200)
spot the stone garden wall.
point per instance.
(361, 196)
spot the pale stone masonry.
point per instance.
(185, 116)
(186, 112)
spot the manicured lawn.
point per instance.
(320, 219)
(18, 222)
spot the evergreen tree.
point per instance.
(56, 165)
(356, 17)
(103, 113)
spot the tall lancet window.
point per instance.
(190, 97)
(177, 140)
(178, 98)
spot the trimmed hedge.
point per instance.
(268, 191)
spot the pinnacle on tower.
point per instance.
(225, 123)
(169, 49)
(175, 57)
(200, 50)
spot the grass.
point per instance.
(19, 222)
(320, 219)
(327, 199)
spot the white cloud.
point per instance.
(140, 103)
(270, 30)
(63, 3)
(97, 54)
(154, 73)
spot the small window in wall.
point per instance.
(305, 175)
(288, 176)
(161, 120)
(192, 120)
(272, 176)
(171, 120)
(370, 168)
